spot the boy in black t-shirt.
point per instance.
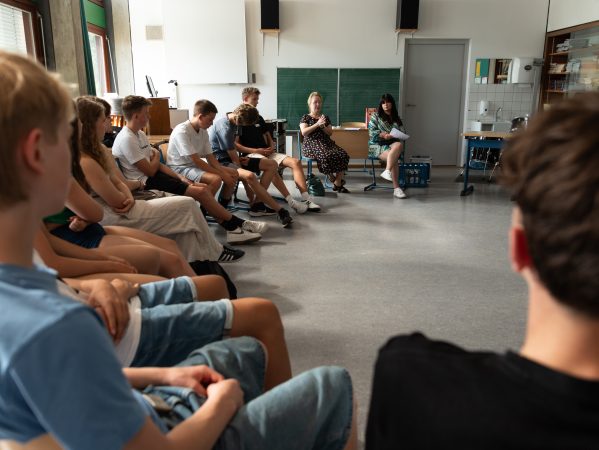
(431, 394)
(256, 142)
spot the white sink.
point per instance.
(490, 125)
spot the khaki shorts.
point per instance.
(278, 157)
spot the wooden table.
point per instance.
(480, 139)
(153, 138)
(353, 141)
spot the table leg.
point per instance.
(467, 189)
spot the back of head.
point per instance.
(29, 98)
(133, 104)
(246, 114)
(552, 170)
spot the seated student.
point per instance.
(433, 394)
(222, 140)
(316, 129)
(256, 142)
(190, 230)
(91, 405)
(384, 146)
(141, 162)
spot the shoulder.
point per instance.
(305, 118)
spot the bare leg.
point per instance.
(131, 277)
(177, 266)
(227, 191)
(210, 287)
(213, 181)
(391, 157)
(261, 193)
(259, 318)
(269, 170)
(203, 195)
(352, 442)
(278, 182)
(298, 173)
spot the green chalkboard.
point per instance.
(294, 87)
(352, 89)
(362, 88)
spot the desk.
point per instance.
(154, 138)
(480, 139)
(354, 142)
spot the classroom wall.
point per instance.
(562, 14)
(355, 33)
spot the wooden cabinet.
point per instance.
(160, 121)
(571, 63)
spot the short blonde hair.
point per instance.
(246, 114)
(250, 90)
(314, 94)
(30, 98)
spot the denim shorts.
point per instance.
(312, 410)
(191, 173)
(173, 324)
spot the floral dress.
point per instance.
(319, 146)
(376, 126)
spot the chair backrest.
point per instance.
(353, 125)
(162, 147)
(369, 112)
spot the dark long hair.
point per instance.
(76, 170)
(394, 117)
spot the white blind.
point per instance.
(12, 29)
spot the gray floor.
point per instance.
(370, 266)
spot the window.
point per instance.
(99, 51)
(19, 28)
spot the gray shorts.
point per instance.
(191, 173)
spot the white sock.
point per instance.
(305, 196)
(288, 198)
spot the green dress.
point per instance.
(376, 126)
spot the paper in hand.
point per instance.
(399, 135)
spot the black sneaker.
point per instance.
(259, 209)
(284, 217)
(230, 254)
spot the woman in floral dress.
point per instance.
(316, 129)
(384, 146)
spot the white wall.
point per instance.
(566, 13)
(358, 33)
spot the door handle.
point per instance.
(410, 104)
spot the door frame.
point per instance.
(459, 145)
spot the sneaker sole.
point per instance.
(245, 241)
(261, 214)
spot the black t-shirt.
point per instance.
(252, 136)
(433, 395)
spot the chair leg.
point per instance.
(372, 185)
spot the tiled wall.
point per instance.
(515, 99)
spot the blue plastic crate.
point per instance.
(414, 174)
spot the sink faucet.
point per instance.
(497, 113)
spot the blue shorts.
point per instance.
(173, 324)
(90, 237)
(312, 410)
(191, 173)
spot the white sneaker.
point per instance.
(398, 193)
(299, 207)
(387, 175)
(239, 236)
(312, 207)
(254, 227)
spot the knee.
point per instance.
(268, 165)
(294, 163)
(267, 315)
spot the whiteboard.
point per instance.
(205, 41)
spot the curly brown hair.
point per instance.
(245, 115)
(89, 111)
(552, 170)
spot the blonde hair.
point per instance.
(30, 98)
(246, 114)
(314, 94)
(247, 91)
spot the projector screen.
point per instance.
(205, 41)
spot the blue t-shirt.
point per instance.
(222, 138)
(58, 370)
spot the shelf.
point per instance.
(555, 91)
(592, 48)
(558, 54)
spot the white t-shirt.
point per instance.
(130, 148)
(127, 347)
(186, 141)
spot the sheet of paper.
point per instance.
(399, 135)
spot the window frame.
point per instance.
(36, 27)
(94, 29)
